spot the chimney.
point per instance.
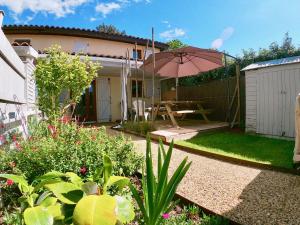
(1, 17)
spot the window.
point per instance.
(137, 54)
(140, 87)
(22, 42)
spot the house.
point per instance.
(102, 101)
(271, 90)
(17, 86)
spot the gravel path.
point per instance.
(246, 195)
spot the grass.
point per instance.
(276, 152)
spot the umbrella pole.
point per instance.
(136, 86)
(176, 89)
(143, 82)
(130, 85)
(153, 73)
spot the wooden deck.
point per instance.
(187, 129)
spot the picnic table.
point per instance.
(180, 108)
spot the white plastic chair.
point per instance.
(141, 104)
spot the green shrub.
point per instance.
(140, 128)
(63, 198)
(69, 147)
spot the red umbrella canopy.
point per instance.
(186, 61)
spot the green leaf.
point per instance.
(38, 216)
(74, 178)
(56, 212)
(48, 201)
(107, 167)
(43, 196)
(15, 178)
(51, 175)
(118, 181)
(66, 192)
(95, 210)
(90, 188)
(125, 210)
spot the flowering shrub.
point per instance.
(69, 147)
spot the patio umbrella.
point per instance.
(182, 62)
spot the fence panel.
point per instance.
(217, 95)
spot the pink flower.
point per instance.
(65, 119)
(2, 139)
(166, 216)
(18, 146)
(14, 137)
(52, 130)
(83, 170)
(9, 182)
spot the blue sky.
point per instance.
(230, 25)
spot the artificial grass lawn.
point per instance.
(255, 148)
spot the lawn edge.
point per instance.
(223, 158)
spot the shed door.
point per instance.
(276, 95)
(103, 100)
(290, 89)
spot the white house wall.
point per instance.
(17, 88)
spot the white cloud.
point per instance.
(167, 23)
(226, 34)
(107, 8)
(92, 19)
(217, 43)
(59, 8)
(172, 33)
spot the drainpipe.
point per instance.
(1, 17)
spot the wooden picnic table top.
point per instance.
(179, 102)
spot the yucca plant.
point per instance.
(158, 191)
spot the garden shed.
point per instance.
(271, 90)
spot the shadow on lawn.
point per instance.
(272, 151)
(271, 198)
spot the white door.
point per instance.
(290, 89)
(103, 100)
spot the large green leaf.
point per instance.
(51, 175)
(56, 211)
(118, 181)
(38, 216)
(66, 192)
(125, 210)
(48, 201)
(15, 178)
(74, 178)
(95, 210)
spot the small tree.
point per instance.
(174, 44)
(59, 73)
(110, 29)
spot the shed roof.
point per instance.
(275, 62)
